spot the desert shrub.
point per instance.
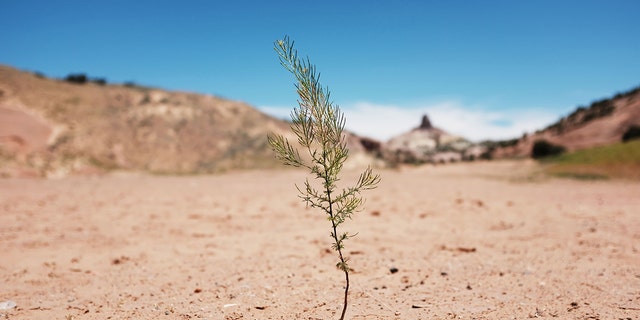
(79, 78)
(599, 109)
(494, 144)
(583, 115)
(631, 134)
(99, 81)
(627, 93)
(544, 148)
(487, 155)
(146, 99)
(508, 143)
(133, 85)
(318, 125)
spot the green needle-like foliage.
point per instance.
(318, 125)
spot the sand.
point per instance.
(467, 241)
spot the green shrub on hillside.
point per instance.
(544, 148)
(631, 134)
(79, 78)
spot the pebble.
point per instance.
(6, 305)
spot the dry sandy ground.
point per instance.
(480, 241)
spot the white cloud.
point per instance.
(472, 122)
(278, 112)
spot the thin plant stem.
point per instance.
(342, 260)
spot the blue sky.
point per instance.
(481, 69)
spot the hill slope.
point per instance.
(602, 123)
(54, 127)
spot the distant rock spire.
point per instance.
(425, 124)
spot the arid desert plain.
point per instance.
(492, 240)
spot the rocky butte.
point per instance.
(428, 144)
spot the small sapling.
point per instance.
(318, 125)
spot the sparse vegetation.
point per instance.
(583, 115)
(620, 160)
(134, 85)
(99, 81)
(491, 144)
(597, 109)
(627, 93)
(82, 78)
(146, 99)
(544, 148)
(318, 125)
(78, 78)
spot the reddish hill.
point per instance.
(603, 122)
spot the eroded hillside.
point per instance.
(602, 123)
(54, 127)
